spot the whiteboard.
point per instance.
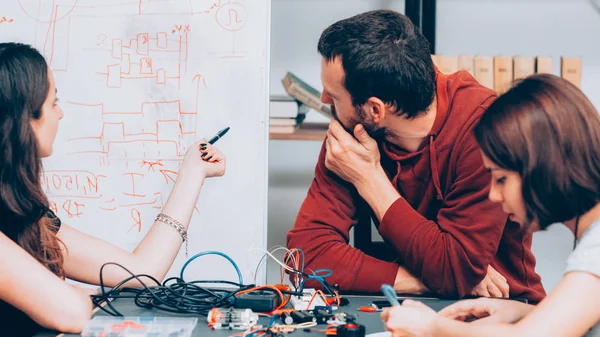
(139, 81)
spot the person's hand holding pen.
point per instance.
(203, 160)
(409, 318)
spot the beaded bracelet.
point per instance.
(177, 226)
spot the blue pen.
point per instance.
(390, 294)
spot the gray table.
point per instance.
(371, 321)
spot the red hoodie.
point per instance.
(443, 228)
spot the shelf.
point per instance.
(310, 131)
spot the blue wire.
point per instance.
(319, 275)
(273, 320)
(241, 280)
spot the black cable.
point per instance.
(173, 295)
(176, 295)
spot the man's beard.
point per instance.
(374, 131)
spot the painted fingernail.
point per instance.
(204, 154)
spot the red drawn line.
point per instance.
(140, 204)
(75, 196)
(168, 175)
(7, 20)
(108, 209)
(38, 19)
(180, 47)
(135, 215)
(207, 11)
(137, 77)
(199, 78)
(107, 152)
(164, 51)
(107, 113)
(76, 171)
(187, 51)
(135, 195)
(151, 164)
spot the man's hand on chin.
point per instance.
(353, 159)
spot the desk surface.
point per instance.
(371, 321)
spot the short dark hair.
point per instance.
(546, 129)
(383, 55)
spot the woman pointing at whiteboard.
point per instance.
(37, 252)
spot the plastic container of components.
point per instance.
(107, 326)
(233, 319)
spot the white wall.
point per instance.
(489, 27)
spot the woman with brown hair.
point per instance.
(37, 252)
(541, 143)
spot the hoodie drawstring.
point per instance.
(434, 168)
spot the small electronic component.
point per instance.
(322, 314)
(369, 308)
(351, 330)
(342, 318)
(308, 295)
(233, 319)
(302, 316)
(258, 301)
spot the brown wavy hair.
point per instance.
(545, 129)
(24, 211)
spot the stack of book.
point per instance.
(287, 112)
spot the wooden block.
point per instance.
(503, 73)
(466, 62)
(484, 70)
(447, 64)
(544, 65)
(570, 70)
(523, 67)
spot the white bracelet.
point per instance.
(175, 225)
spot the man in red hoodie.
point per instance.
(401, 152)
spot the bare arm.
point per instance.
(33, 289)
(570, 310)
(155, 254)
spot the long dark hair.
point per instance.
(546, 129)
(24, 207)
